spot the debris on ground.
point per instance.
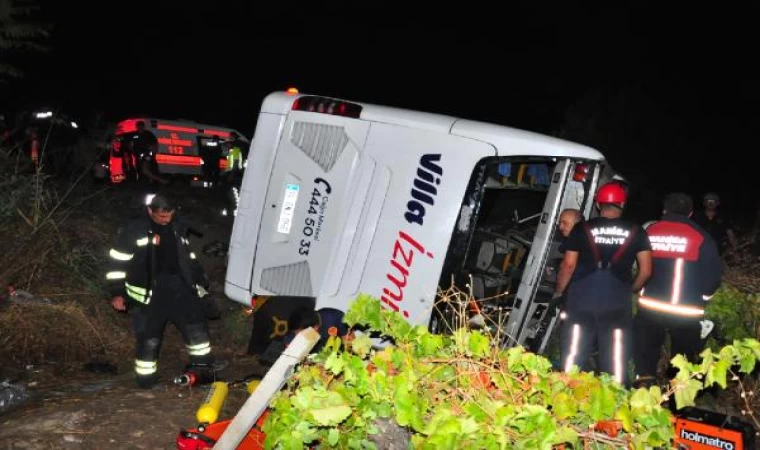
(11, 395)
(216, 248)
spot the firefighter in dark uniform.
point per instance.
(154, 272)
(686, 273)
(714, 223)
(599, 258)
(144, 147)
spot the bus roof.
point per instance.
(502, 137)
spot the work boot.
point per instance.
(147, 382)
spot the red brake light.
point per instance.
(327, 106)
(581, 170)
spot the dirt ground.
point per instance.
(70, 407)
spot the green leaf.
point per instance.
(361, 345)
(335, 363)
(754, 345)
(602, 403)
(707, 359)
(746, 359)
(407, 405)
(640, 400)
(514, 358)
(468, 425)
(476, 411)
(680, 362)
(566, 435)
(686, 392)
(368, 445)
(399, 328)
(625, 416)
(563, 406)
(365, 310)
(430, 344)
(478, 345)
(331, 415)
(399, 359)
(716, 373)
(333, 437)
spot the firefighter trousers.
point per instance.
(599, 315)
(172, 301)
(651, 328)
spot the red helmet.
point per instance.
(611, 192)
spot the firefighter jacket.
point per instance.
(686, 268)
(133, 264)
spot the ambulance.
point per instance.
(181, 147)
(343, 197)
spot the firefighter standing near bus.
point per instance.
(686, 273)
(154, 272)
(599, 257)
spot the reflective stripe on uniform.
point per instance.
(675, 296)
(192, 255)
(617, 355)
(136, 289)
(137, 297)
(667, 307)
(116, 275)
(199, 349)
(142, 242)
(574, 343)
(137, 293)
(145, 367)
(119, 256)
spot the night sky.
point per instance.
(669, 95)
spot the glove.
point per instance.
(558, 302)
(707, 327)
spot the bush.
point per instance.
(460, 391)
(736, 315)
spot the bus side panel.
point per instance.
(245, 230)
(429, 172)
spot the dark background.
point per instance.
(669, 95)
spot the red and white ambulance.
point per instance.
(180, 150)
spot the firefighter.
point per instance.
(686, 273)
(715, 223)
(599, 258)
(154, 272)
(144, 147)
(34, 147)
(211, 153)
(234, 153)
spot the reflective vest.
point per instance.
(686, 268)
(234, 156)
